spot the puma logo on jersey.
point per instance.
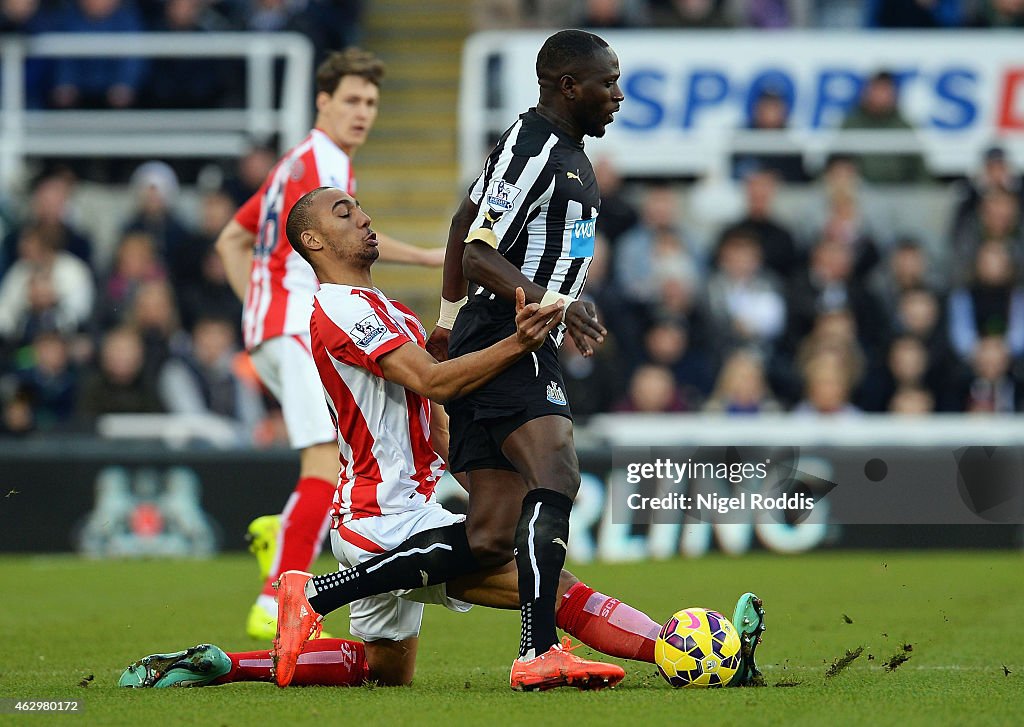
(575, 176)
(559, 541)
(303, 612)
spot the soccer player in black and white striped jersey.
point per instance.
(528, 222)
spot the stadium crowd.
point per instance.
(762, 14)
(832, 311)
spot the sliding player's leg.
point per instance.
(325, 662)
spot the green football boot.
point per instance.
(195, 667)
(748, 618)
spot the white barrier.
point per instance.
(156, 133)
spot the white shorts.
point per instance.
(285, 366)
(396, 615)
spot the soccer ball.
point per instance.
(697, 648)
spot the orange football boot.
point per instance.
(559, 668)
(296, 623)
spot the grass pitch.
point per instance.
(69, 622)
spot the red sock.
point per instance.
(304, 523)
(323, 662)
(607, 624)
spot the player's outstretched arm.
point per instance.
(396, 251)
(234, 245)
(415, 369)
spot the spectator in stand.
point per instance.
(50, 212)
(45, 289)
(745, 304)
(778, 247)
(998, 14)
(827, 387)
(741, 387)
(617, 213)
(847, 223)
(16, 414)
(154, 315)
(770, 112)
(26, 18)
(999, 222)
(668, 343)
(768, 14)
(97, 82)
(207, 289)
(657, 240)
(919, 313)
(995, 174)
(136, 262)
(268, 16)
(907, 366)
(837, 14)
(253, 167)
(680, 299)
(216, 210)
(593, 384)
(828, 284)
(990, 387)
(330, 24)
(50, 380)
(835, 334)
(914, 13)
(878, 111)
(603, 14)
(653, 390)
(155, 186)
(119, 385)
(201, 379)
(991, 304)
(690, 13)
(906, 268)
(912, 401)
(189, 83)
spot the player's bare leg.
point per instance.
(392, 663)
(542, 452)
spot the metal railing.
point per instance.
(156, 132)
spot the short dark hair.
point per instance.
(299, 220)
(349, 62)
(566, 50)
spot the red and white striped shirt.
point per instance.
(281, 284)
(388, 464)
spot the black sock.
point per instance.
(541, 538)
(426, 559)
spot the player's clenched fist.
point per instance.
(534, 323)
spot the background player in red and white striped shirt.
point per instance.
(277, 287)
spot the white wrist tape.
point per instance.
(449, 312)
(551, 296)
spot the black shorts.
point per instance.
(532, 387)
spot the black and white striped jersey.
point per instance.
(538, 204)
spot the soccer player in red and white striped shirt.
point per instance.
(277, 288)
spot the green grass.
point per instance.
(65, 619)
